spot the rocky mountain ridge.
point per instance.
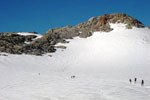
(18, 44)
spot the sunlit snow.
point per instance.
(102, 64)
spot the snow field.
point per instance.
(102, 64)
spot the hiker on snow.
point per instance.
(142, 83)
(135, 80)
(130, 80)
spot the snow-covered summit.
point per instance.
(35, 44)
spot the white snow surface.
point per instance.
(26, 34)
(102, 64)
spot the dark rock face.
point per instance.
(15, 44)
(11, 43)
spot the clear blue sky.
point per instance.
(40, 15)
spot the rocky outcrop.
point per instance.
(84, 30)
(11, 42)
(19, 44)
(101, 23)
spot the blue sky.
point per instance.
(40, 15)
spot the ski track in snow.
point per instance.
(102, 64)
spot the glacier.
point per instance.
(102, 65)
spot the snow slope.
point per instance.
(102, 64)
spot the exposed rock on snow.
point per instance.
(19, 43)
(31, 43)
(100, 23)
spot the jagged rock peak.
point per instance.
(103, 21)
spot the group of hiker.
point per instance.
(73, 76)
(135, 80)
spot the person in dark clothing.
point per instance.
(73, 76)
(130, 80)
(142, 83)
(135, 80)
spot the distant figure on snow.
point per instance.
(39, 73)
(130, 80)
(142, 83)
(135, 80)
(73, 76)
